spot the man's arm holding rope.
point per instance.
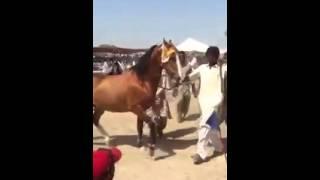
(193, 74)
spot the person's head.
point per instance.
(212, 55)
(183, 58)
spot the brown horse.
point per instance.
(134, 90)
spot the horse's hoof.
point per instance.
(154, 158)
(139, 143)
(142, 149)
(151, 150)
(107, 141)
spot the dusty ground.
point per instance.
(174, 161)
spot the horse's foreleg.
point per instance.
(138, 110)
(103, 132)
(140, 131)
(150, 117)
(96, 117)
(161, 127)
(152, 142)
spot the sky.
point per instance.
(143, 23)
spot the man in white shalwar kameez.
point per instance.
(210, 97)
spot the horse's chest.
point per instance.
(142, 96)
(148, 100)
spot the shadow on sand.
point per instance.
(166, 145)
(192, 117)
(98, 137)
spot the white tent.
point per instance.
(192, 45)
(223, 50)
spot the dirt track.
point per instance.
(174, 161)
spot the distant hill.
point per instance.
(107, 46)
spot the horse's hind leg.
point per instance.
(96, 117)
(140, 131)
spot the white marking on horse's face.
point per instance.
(166, 54)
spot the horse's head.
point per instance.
(170, 59)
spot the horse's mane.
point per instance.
(141, 67)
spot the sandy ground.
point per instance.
(174, 162)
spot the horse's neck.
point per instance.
(153, 76)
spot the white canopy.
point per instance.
(223, 50)
(192, 45)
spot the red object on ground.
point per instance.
(103, 159)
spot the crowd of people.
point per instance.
(105, 64)
(124, 58)
(211, 70)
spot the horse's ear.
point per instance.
(170, 42)
(165, 42)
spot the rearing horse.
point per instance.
(135, 89)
